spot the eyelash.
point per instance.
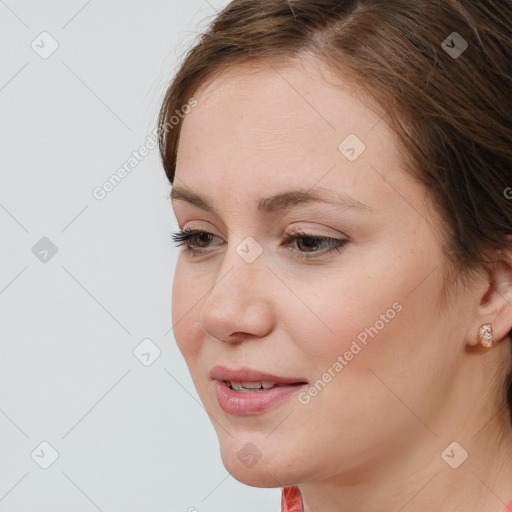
(184, 236)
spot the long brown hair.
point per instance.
(449, 104)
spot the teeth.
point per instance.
(241, 386)
(251, 385)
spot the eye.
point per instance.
(311, 241)
(188, 235)
(305, 240)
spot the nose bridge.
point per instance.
(243, 267)
(238, 301)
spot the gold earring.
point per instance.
(485, 336)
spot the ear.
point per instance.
(496, 302)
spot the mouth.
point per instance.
(240, 399)
(257, 386)
(247, 392)
(251, 379)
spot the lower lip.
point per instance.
(242, 403)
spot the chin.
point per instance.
(254, 465)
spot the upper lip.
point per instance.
(250, 375)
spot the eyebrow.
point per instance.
(278, 202)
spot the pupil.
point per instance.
(310, 241)
(202, 237)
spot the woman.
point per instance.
(342, 177)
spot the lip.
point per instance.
(250, 375)
(240, 403)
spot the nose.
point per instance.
(239, 304)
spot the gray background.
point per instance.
(129, 436)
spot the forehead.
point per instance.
(264, 126)
(279, 104)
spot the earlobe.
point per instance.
(485, 336)
(496, 306)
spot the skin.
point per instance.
(375, 433)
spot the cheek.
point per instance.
(340, 316)
(365, 333)
(186, 295)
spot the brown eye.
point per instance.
(190, 238)
(197, 242)
(204, 238)
(309, 242)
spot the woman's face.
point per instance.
(358, 323)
